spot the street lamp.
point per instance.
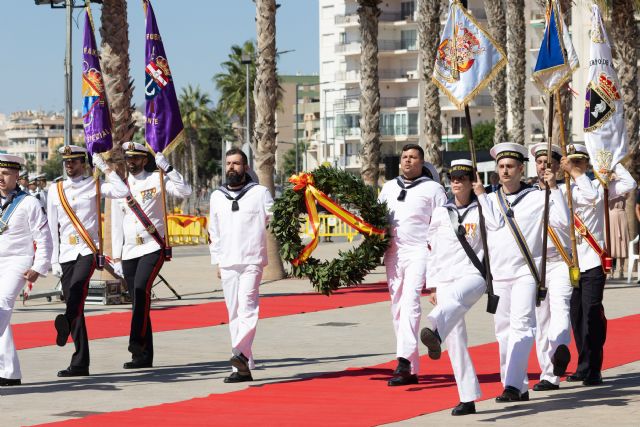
(246, 61)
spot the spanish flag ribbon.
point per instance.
(304, 181)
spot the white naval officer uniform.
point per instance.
(459, 286)
(405, 259)
(27, 225)
(513, 282)
(239, 248)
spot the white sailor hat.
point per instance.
(509, 150)
(134, 149)
(72, 152)
(10, 161)
(577, 151)
(540, 149)
(32, 179)
(41, 176)
(461, 167)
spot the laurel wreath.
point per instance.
(350, 267)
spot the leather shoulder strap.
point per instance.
(74, 219)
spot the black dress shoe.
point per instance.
(74, 372)
(240, 362)
(403, 368)
(575, 378)
(137, 364)
(464, 408)
(237, 377)
(512, 394)
(400, 380)
(592, 380)
(560, 360)
(62, 328)
(8, 382)
(136, 350)
(432, 340)
(545, 385)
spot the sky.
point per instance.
(197, 37)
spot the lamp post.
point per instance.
(246, 60)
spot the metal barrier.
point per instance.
(187, 230)
(330, 226)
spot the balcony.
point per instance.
(399, 130)
(347, 104)
(348, 48)
(347, 133)
(385, 17)
(397, 74)
(392, 45)
(478, 101)
(348, 19)
(348, 76)
(399, 102)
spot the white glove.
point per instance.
(162, 162)
(56, 269)
(100, 163)
(117, 268)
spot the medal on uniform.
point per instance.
(139, 240)
(73, 239)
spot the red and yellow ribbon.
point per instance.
(304, 181)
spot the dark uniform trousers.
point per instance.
(589, 322)
(140, 274)
(76, 276)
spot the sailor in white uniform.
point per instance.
(73, 217)
(455, 280)
(553, 331)
(240, 210)
(22, 223)
(411, 198)
(141, 248)
(587, 312)
(515, 267)
(35, 191)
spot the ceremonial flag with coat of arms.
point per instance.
(96, 117)
(557, 59)
(604, 130)
(163, 125)
(467, 57)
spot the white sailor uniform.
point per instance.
(405, 259)
(28, 224)
(239, 247)
(72, 253)
(515, 322)
(459, 285)
(142, 257)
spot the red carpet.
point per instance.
(355, 397)
(39, 334)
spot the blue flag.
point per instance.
(557, 58)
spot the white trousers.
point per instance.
(553, 318)
(11, 282)
(454, 299)
(240, 287)
(515, 327)
(406, 278)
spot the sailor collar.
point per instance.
(404, 187)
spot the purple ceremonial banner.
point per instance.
(95, 109)
(163, 126)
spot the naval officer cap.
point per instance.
(132, 149)
(33, 179)
(70, 152)
(540, 149)
(460, 168)
(509, 150)
(9, 161)
(577, 151)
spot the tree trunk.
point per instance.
(498, 29)
(265, 96)
(368, 13)
(429, 36)
(516, 68)
(625, 37)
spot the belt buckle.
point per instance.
(151, 229)
(139, 240)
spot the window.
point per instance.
(413, 123)
(401, 124)
(386, 123)
(352, 149)
(407, 9)
(342, 38)
(409, 39)
(458, 125)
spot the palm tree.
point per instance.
(516, 73)
(368, 12)
(265, 94)
(194, 106)
(498, 29)
(114, 60)
(231, 84)
(429, 36)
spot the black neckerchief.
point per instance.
(403, 193)
(248, 184)
(451, 206)
(523, 191)
(8, 200)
